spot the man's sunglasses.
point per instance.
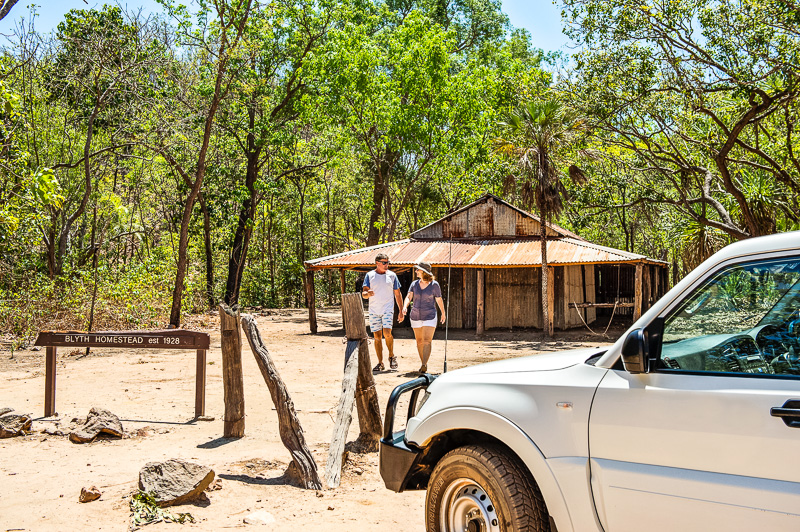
(384, 262)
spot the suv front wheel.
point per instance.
(483, 489)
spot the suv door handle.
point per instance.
(789, 412)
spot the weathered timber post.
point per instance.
(50, 382)
(358, 386)
(344, 416)
(200, 385)
(232, 380)
(311, 301)
(637, 300)
(369, 413)
(480, 321)
(303, 466)
(551, 301)
(342, 279)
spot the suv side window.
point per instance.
(745, 319)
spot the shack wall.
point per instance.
(578, 288)
(484, 220)
(513, 298)
(455, 306)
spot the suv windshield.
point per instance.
(739, 298)
(745, 319)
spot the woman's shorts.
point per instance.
(416, 324)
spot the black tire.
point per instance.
(486, 488)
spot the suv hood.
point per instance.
(549, 362)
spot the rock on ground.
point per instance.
(98, 421)
(259, 518)
(14, 425)
(174, 481)
(89, 494)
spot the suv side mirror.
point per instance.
(635, 351)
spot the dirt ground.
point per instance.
(41, 475)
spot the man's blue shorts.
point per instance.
(377, 322)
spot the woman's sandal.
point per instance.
(393, 363)
(423, 369)
(378, 368)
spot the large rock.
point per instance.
(174, 481)
(14, 425)
(98, 421)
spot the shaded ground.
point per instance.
(153, 393)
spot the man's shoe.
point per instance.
(378, 368)
(393, 363)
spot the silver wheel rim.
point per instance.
(466, 507)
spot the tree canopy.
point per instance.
(156, 164)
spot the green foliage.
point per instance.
(145, 511)
(698, 97)
(345, 123)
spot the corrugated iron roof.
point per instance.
(481, 254)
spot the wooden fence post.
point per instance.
(200, 385)
(232, 380)
(480, 321)
(311, 300)
(344, 416)
(551, 298)
(369, 412)
(303, 465)
(50, 381)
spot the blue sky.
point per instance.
(541, 17)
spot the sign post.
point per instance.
(161, 339)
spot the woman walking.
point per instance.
(425, 293)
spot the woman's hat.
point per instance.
(425, 267)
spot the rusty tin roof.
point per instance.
(480, 254)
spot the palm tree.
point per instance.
(535, 136)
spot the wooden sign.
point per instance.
(162, 339)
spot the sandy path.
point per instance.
(153, 393)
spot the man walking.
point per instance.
(382, 289)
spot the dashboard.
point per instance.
(766, 349)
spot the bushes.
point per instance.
(137, 297)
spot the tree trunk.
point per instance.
(546, 310)
(380, 180)
(303, 464)
(183, 243)
(60, 247)
(209, 252)
(241, 238)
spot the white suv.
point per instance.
(690, 421)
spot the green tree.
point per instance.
(703, 95)
(536, 137)
(262, 115)
(402, 89)
(100, 68)
(216, 41)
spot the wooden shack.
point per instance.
(490, 251)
